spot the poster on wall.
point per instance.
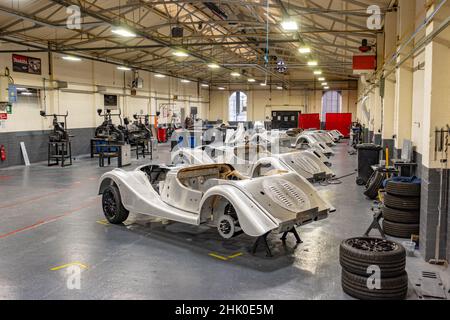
(110, 101)
(26, 64)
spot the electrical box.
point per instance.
(4, 95)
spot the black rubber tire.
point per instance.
(375, 183)
(113, 208)
(392, 263)
(403, 189)
(360, 181)
(402, 203)
(401, 216)
(400, 230)
(395, 288)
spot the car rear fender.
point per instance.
(252, 219)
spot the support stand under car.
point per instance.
(59, 144)
(143, 123)
(109, 141)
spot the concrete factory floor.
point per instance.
(51, 217)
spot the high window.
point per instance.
(331, 103)
(237, 106)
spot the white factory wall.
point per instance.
(261, 102)
(82, 98)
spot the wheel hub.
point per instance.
(374, 245)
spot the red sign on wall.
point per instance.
(3, 116)
(364, 63)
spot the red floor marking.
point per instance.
(5, 177)
(74, 185)
(31, 199)
(48, 220)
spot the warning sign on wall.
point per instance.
(3, 116)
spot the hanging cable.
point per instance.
(266, 56)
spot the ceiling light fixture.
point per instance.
(123, 68)
(280, 88)
(313, 63)
(235, 74)
(325, 84)
(180, 54)
(317, 72)
(123, 32)
(326, 88)
(321, 79)
(251, 80)
(304, 50)
(26, 93)
(213, 66)
(221, 88)
(263, 84)
(185, 80)
(289, 25)
(71, 58)
(205, 85)
(159, 75)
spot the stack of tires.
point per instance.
(373, 269)
(401, 210)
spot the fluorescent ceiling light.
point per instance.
(251, 80)
(185, 80)
(280, 88)
(21, 89)
(317, 72)
(312, 63)
(71, 58)
(324, 84)
(321, 79)
(213, 66)
(304, 50)
(123, 68)
(26, 93)
(158, 75)
(263, 84)
(326, 88)
(289, 25)
(180, 53)
(221, 88)
(204, 85)
(235, 74)
(123, 32)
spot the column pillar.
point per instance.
(404, 75)
(388, 103)
(436, 114)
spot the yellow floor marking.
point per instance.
(218, 256)
(68, 265)
(104, 222)
(235, 255)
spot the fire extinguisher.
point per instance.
(2, 153)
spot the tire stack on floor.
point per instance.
(401, 210)
(361, 257)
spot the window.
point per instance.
(237, 106)
(331, 103)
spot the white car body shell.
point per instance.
(198, 194)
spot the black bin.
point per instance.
(368, 155)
